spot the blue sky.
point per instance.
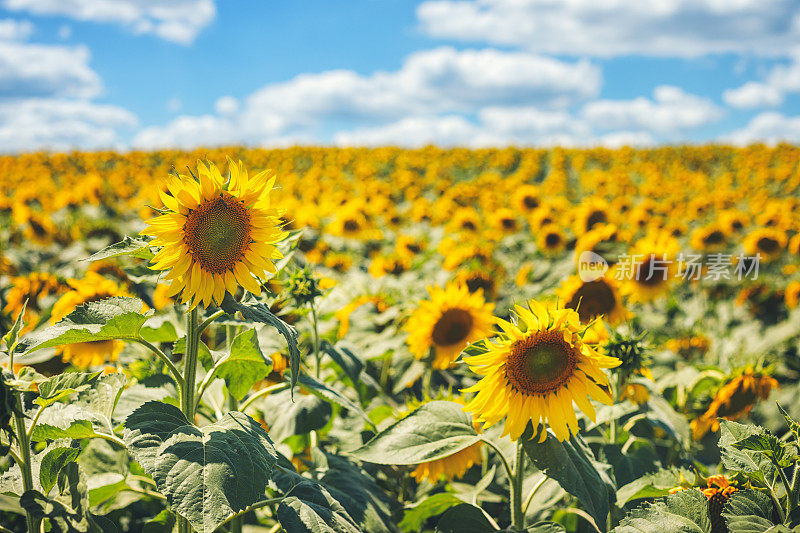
(185, 73)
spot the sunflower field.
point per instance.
(391, 340)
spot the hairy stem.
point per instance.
(517, 516)
(189, 375)
(25, 456)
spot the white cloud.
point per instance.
(413, 131)
(430, 83)
(57, 124)
(227, 105)
(173, 20)
(670, 111)
(64, 32)
(33, 70)
(782, 80)
(684, 28)
(15, 30)
(769, 127)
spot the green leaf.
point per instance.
(67, 512)
(59, 387)
(311, 509)
(163, 522)
(109, 486)
(52, 463)
(464, 518)
(345, 358)
(159, 329)
(685, 511)
(77, 429)
(258, 312)
(113, 318)
(794, 426)
(134, 246)
(331, 395)
(572, 464)
(208, 474)
(437, 429)
(10, 338)
(652, 485)
(766, 444)
(414, 517)
(748, 511)
(244, 366)
(756, 465)
(285, 417)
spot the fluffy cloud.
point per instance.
(430, 83)
(769, 127)
(670, 111)
(781, 80)
(683, 28)
(15, 30)
(174, 20)
(34, 70)
(57, 124)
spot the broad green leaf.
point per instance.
(104, 487)
(68, 512)
(414, 517)
(633, 464)
(748, 511)
(208, 474)
(331, 395)
(768, 445)
(668, 419)
(59, 387)
(464, 518)
(163, 522)
(244, 366)
(437, 429)
(652, 485)
(572, 464)
(159, 329)
(52, 463)
(685, 511)
(345, 358)
(310, 508)
(138, 247)
(113, 318)
(286, 417)
(756, 465)
(794, 426)
(258, 312)
(77, 429)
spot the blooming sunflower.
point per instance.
(551, 240)
(792, 294)
(526, 199)
(92, 288)
(709, 239)
(734, 400)
(590, 212)
(654, 267)
(34, 288)
(451, 319)
(217, 234)
(593, 298)
(768, 242)
(535, 369)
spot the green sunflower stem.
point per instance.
(189, 376)
(25, 456)
(317, 356)
(517, 513)
(233, 405)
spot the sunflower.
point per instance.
(709, 239)
(590, 213)
(409, 247)
(768, 242)
(393, 264)
(526, 199)
(479, 279)
(91, 288)
(34, 288)
(551, 240)
(718, 492)
(451, 319)
(505, 221)
(465, 219)
(535, 369)
(734, 400)
(217, 234)
(792, 294)
(652, 261)
(591, 299)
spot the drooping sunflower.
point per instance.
(593, 298)
(734, 400)
(91, 288)
(451, 319)
(535, 369)
(218, 234)
(768, 242)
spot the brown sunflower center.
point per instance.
(592, 299)
(650, 273)
(768, 245)
(479, 281)
(596, 217)
(531, 202)
(351, 226)
(509, 223)
(541, 363)
(552, 240)
(715, 237)
(452, 327)
(217, 233)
